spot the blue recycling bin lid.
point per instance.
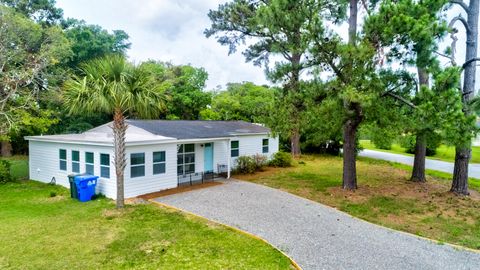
(85, 181)
(86, 177)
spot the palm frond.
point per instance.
(111, 83)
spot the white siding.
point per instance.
(199, 157)
(150, 182)
(220, 153)
(44, 164)
(251, 145)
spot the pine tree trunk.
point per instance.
(354, 115)
(349, 162)
(463, 152)
(460, 171)
(6, 148)
(119, 131)
(297, 103)
(295, 143)
(418, 173)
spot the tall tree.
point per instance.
(114, 86)
(278, 28)
(27, 51)
(463, 150)
(92, 41)
(41, 11)
(355, 113)
(185, 85)
(355, 86)
(412, 30)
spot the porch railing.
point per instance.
(202, 177)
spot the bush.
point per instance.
(5, 175)
(260, 161)
(246, 164)
(281, 159)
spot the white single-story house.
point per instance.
(160, 153)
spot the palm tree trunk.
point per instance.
(119, 131)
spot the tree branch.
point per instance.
(462, 20)
(407, 102)
(461, 4)
(469, 62)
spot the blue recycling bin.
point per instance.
(85, 186)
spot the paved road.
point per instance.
(443, 166)
(316, 236)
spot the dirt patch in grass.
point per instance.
(385, 196)
(179, 189)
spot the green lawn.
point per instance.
(42, 228)
(444, 152)
(19, 167)
(385, 196)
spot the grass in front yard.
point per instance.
(19, 166)
(43, 232)
(444, 152)
(385, 196)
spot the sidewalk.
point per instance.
(437, 165)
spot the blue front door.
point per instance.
(208, 157)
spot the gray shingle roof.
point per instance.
(184, 129)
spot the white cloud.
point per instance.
(168, 31)
(172, 30)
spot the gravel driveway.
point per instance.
(316, 236)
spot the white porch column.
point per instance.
(229, 158)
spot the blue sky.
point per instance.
(172, 30)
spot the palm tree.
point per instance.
(114, 86)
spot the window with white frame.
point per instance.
(62, 156)
(75, 161)
(185, 159)
(137, 165)
(265, 146)
(89, 163)
(159, 162)
(234, 148)
(105, 165)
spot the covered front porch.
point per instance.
(203, 161)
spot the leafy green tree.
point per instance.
(27, 51)
(412, 30)
(111, 85)
(356, 85)
(41, 11)
(92, 41)
(242, 101)
(279, 30)
(185, 86)
(31, 123)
